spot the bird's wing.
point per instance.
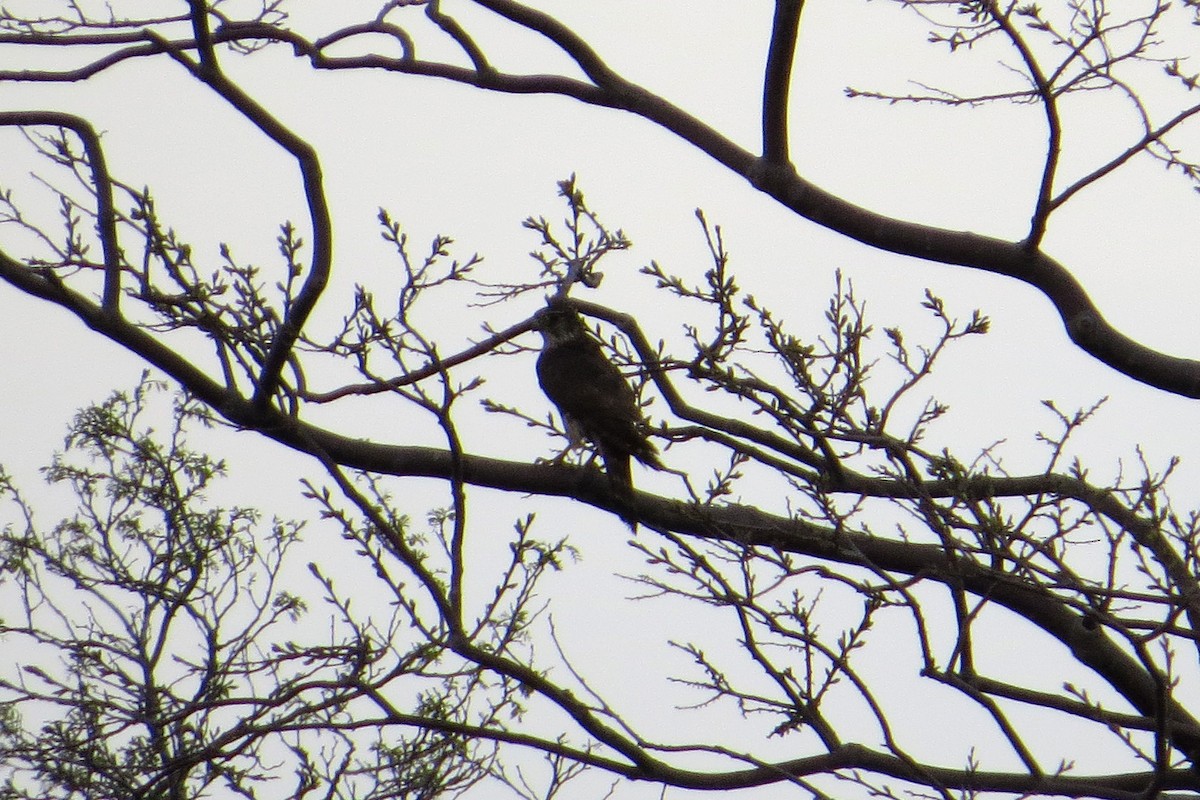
(583, 383)
(593, 395)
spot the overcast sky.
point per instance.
(448, 159)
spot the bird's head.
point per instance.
(559, 324)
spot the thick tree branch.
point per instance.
(1083, 322)
(777, 81)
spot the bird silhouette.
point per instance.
(593, 397)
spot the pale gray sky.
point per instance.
(448, 159)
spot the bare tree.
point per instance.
(843, 560)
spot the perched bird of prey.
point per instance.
(595, 400)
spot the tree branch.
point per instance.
(306, 158)
(777, 81)
(106, 218)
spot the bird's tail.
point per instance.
(620, 476)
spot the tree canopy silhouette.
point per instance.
(824, 586)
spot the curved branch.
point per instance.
(1045, 92)
(1083, 322)
(87, 70)
(412, 376)
(571, 43)
(777, 81)
(297, 314)
(106, 218)
(459, 35)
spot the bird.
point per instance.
(592, 396)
